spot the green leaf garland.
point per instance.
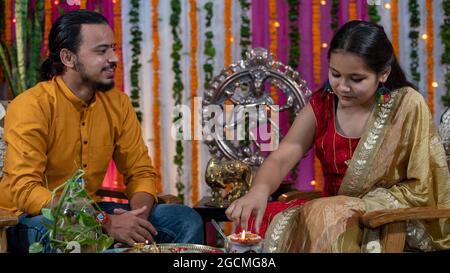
(177, 90)
(245, 31)
(373, 14)
(35, 43)
(210, 51)
(414, 23)
(135, 43)
(294, 34)
(293, 59)
(334, 15)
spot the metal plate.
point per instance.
(175, 248)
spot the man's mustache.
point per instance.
(111, 66)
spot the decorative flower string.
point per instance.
(84, 2)
(273, 46)
(294, 34)
(414, 24)
(136, 39)
(177, 90)
(156, 97)
(445, 35)
(395, 28)
(374, 17)
(194, 87)
(228, 36)
(316, 41)
(209, 51)
(334, 15)
(47, 26)
(317, 80)
(8, 20)
(118, 77)
(352, 10)
(430, 56)
(246, 33)
(293, 59)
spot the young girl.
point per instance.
(378, 146)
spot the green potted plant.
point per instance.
(72, 225)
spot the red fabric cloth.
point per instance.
(272, 209)
(333, 150)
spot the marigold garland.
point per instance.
(84, 2)
(155, 88)
(47, 26)
(352, 10)
(317, 80)
(430, 57)
(117, 9)
(194, 87)
(395, 28)
(8, 22)
(316, 41)
(228, 35)
(273, 36)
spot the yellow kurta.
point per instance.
(50, 133)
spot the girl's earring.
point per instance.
(327, 87)
(383, 94)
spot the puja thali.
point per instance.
(172, 248)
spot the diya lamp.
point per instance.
(145, 247)
(244, 242)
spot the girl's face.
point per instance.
(352, 80)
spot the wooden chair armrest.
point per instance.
(111, 192)
(378, 218)
(293, 195)
(8, 219)
(169, 199)
(114, 193)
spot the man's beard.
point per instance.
(102, 87)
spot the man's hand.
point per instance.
(126, 227)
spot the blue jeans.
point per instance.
(174, 223)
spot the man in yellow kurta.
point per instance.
(75, 119)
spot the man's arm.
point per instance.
(141, 199)
(26, 131)
(132, 158)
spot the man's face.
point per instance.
(96, 59)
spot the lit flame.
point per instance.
(146, 242)
(243, 235)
